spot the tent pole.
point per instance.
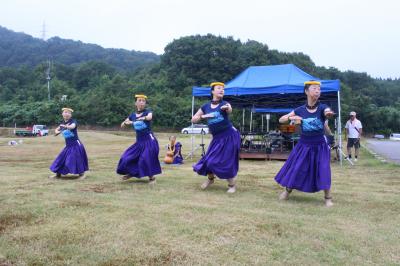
(262, 123)
(340, 128)
(251, 119)
(244, 109)
(191, 135)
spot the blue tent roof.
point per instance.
(277, 79)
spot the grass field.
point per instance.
(104, 221)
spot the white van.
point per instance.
(395, 136)
(196, 129)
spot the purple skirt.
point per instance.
(141, 159)
(308, 167)
(71, 160)
(178, 150)
(222, 157)
(178, 160)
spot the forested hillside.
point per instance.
(20, 49)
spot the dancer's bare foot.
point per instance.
(231, 185)
(82, 176)
(125, 177)
(207, 183)
(328, 202)
(55, 176)
(285, 194)
(231, 189)
(152, 181)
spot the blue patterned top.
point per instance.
(312, 123)
(220, 121)
(70, 135)
(141, 127)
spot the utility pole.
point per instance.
(43, 31)
(48, 78)
(47, 72)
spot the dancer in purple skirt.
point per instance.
(308, 167)
(73, 158)
(140, 159)
(222, 157)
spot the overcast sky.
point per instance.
(347, 34)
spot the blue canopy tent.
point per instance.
(274, 87)
(258, 80)
(278, 86)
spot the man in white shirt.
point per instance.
(353, 132)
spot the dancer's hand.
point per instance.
(57, 131)
(329, 113)
(295, 119)
(125, 123)
(225, 107)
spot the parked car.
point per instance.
(35, 130)
(378, 136)
(395, 136)
(196, 129)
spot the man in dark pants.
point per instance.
(353, 132)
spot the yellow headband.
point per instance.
(217, 83)
(67, 109)
(141, 96)
(312, 82)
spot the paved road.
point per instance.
(386, 148)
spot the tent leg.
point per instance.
(243, 119)
(262, 123)
(251, 119)
(191, 135)
(340, 128)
